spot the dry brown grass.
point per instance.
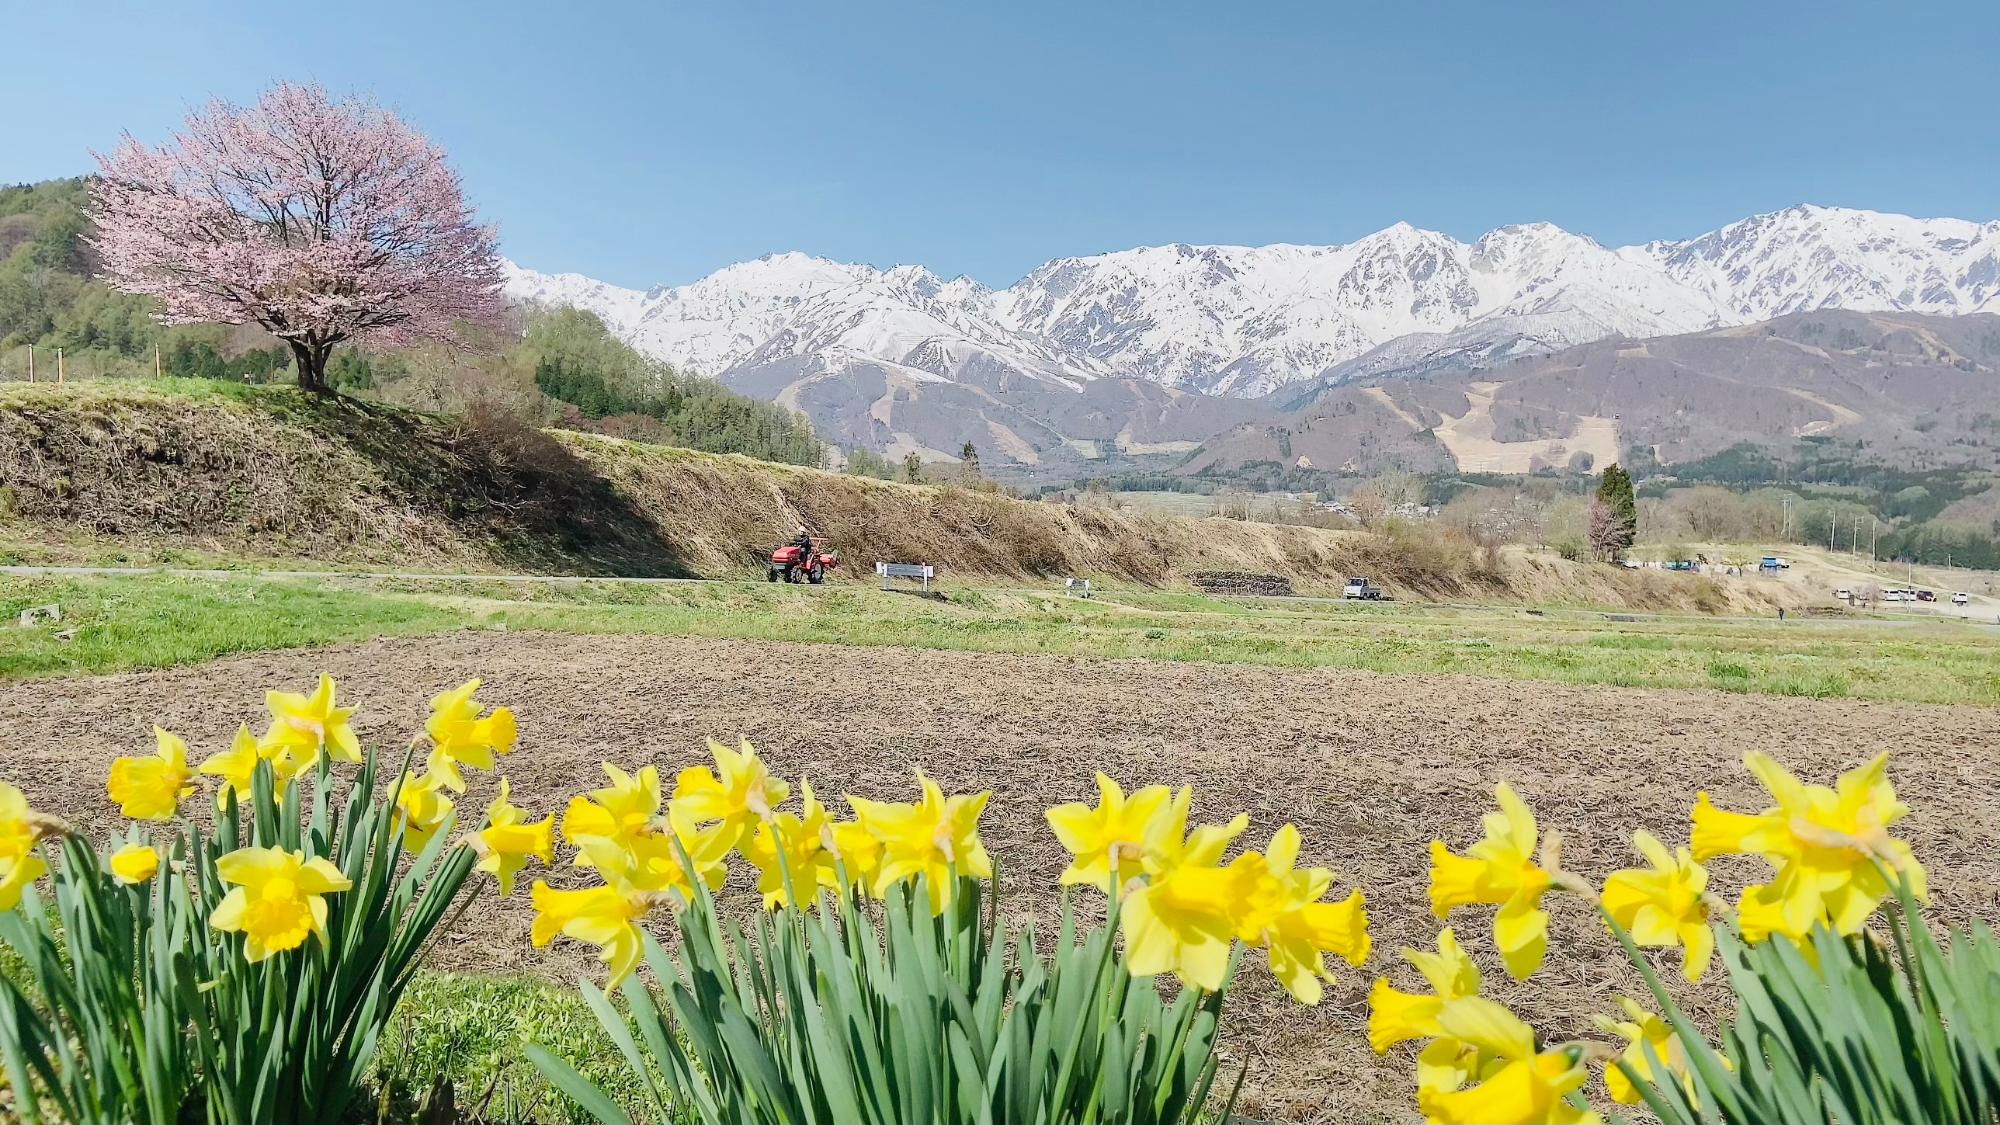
(268, 474)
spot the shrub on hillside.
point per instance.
(1426, 556)
(499, 434)
(610, 386)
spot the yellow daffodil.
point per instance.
(420, 810)
(236, 767)
(16, 874)
(1180, 923)
(1642, 1029)
(1108, 841)
(510, 840)
(651, 863)
(461, 737)
(1530, 1091)
(1760, 912)
(793, 845)
(1664, 904)
(21, 828)
(135, 863)
(305, 726)
(736, 796)
(1169, 844)
(1721, 832)
(618, 830)
(1276, 907)
(1502, 868)
(18, 834)
(277, 898)
(152, 787)
(621, 812)
(937, 837)
(1516, 1084)
(1825, 843)
(1396, 1017)
(857, 852)
(606, 917)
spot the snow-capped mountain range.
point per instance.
(1245, 321)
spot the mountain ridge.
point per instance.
(1902, 390)
(1251, 323)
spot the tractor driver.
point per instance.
(804, 542)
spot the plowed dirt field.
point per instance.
(1370, 767)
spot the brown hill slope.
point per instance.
(1904, 390)
(265, 473)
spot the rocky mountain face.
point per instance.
(1124, 354)
(1895, 389)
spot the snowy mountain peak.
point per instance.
(1244, 320)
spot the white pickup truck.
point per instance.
(1960, 598)
(1361, 590)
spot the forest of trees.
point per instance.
(577, 362)
(564, 368)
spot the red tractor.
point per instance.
(794, 564)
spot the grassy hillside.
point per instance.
(190, 469)
(563, 367)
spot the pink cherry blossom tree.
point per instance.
(323, 221)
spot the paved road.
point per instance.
(376, 575)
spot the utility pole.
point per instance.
(31, 363)
(1873, 525)
(1854, 536)
(1832, 526)
(59, 367)
(156, 362)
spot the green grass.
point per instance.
(469, 1029)
(155, 620)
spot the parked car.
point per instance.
(1844, 595)
(1926, 595)
(1960, 598)
(1360, 589)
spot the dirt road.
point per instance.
(1370, 767)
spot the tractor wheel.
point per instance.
(816, 575)
(770, 574)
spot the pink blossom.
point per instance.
(322, 221)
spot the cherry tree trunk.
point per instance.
(311, 361)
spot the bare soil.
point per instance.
(1370, 768)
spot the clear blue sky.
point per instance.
(648, 142)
